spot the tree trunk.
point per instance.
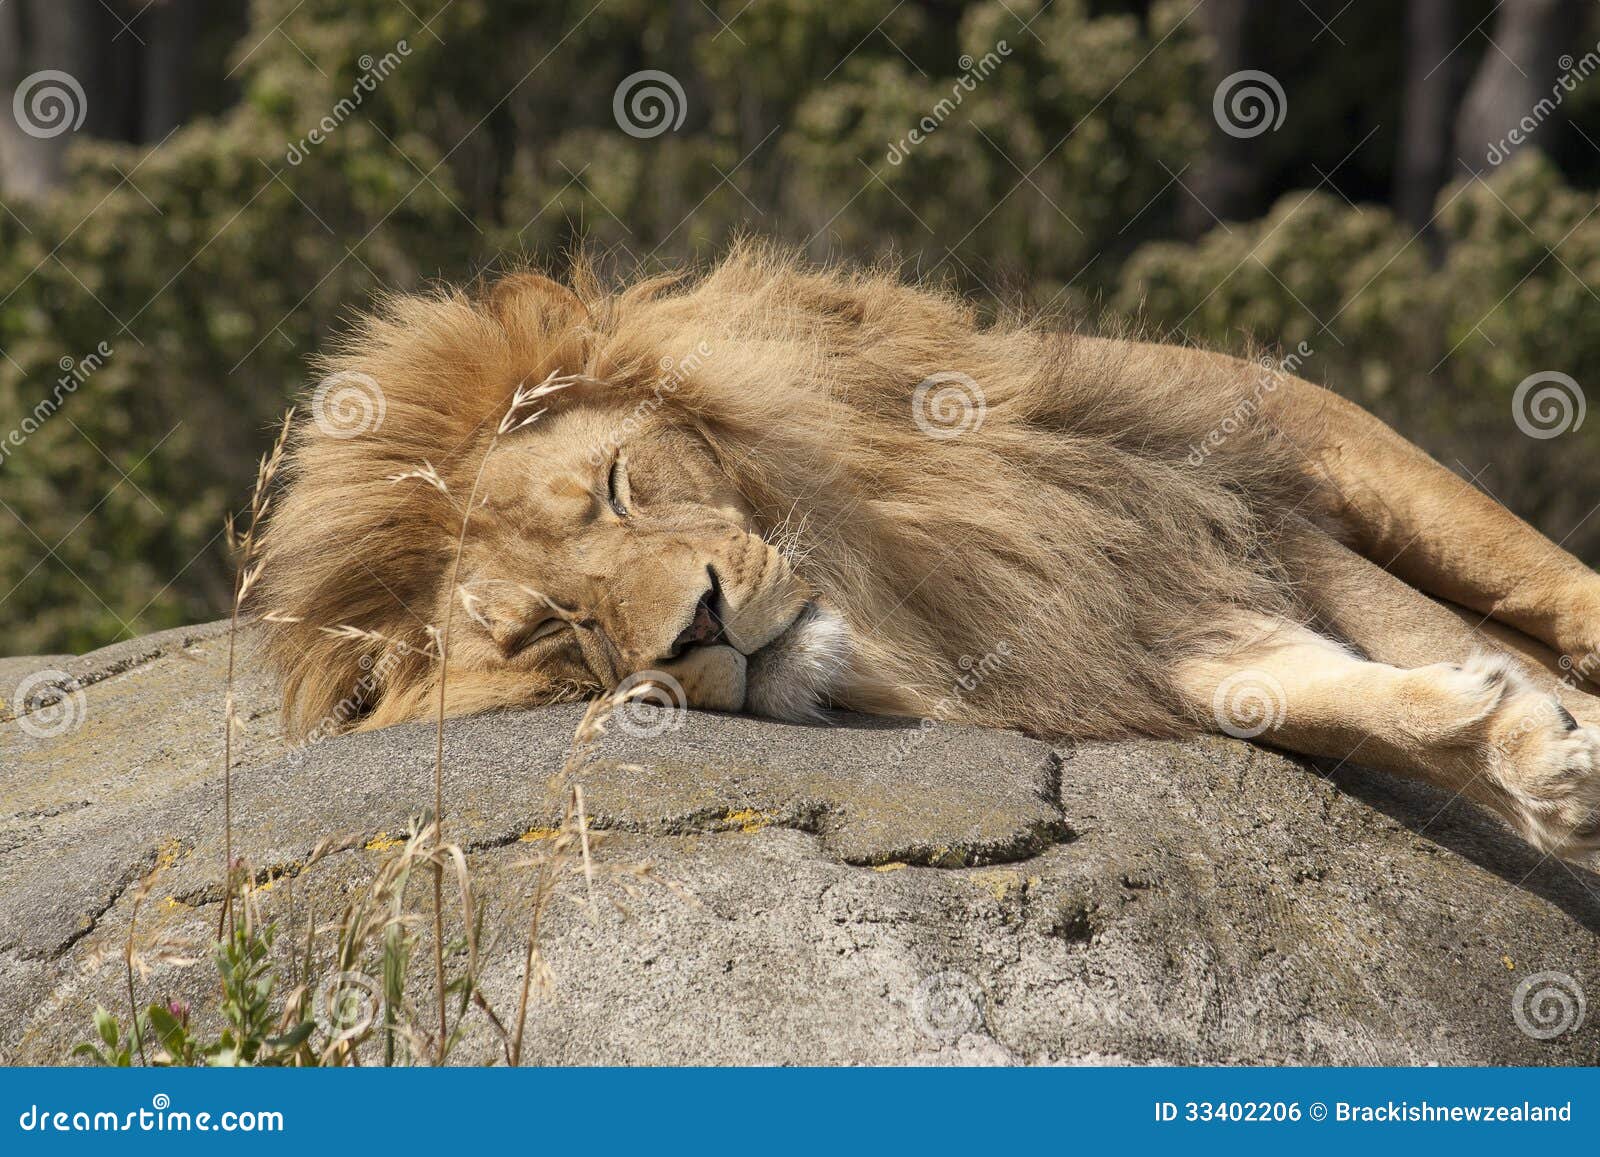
(1428, 105)
(1511, 94)
(50, 35)
(169, 31)
(1230, 178)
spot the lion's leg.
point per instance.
(1392, 622)
(1478, 728)
(1404, 511)
(1413, 517)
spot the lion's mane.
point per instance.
(1043, 567)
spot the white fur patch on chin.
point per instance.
(795, 674)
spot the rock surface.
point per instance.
(860, 893)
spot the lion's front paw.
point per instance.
(1550, 768)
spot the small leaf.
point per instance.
(167, 1029)
(89, 1050)
(106, 1025)
(295, 1037)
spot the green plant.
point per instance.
(252, 1035)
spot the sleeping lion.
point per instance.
(777, 489)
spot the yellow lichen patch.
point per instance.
(891, 866)
(1510, 967)
(382, 842)
(168, 855)
(1000, 884)
(533, 834)
(749, 820)
(173, 904)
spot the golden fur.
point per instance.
(780, 487)
(1072, 527)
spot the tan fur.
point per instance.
(1112, 527)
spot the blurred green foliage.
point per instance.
(213, 266)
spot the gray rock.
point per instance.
(866, 892)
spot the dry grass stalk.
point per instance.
(583, 838)
(140, 891)
(245, 547)
(536, 976)
(518, 415)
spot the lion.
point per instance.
(780, 488)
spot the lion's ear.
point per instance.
(529, 299)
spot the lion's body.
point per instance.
(1006, 525)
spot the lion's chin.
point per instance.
(796, 674)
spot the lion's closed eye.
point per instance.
(619, 495)
(514, 638)
(512, 630)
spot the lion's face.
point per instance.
(597, 558)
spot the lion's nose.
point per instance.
(705, 627)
